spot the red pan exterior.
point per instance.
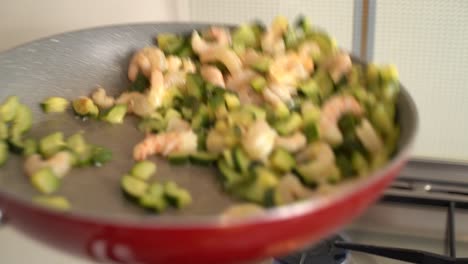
(191, 244)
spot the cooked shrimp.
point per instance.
(177, 124)
(220, 35)
(188, 66)
(339, 65)
(236, 82)
(259, 140)
(290, 68)
(290, 189)
(212, 75)
(247, 95)
(157, 89)
(317, 161)
(332, 110)
(271, 97)
(309, 49)
(249, 57)
(146, 60)
(293, 143)
(173, 63)
(174, 79)
(165, 144)
(136, 102)
(272, 41)
(283, 91)
(369, 137)
(241, 210)
(60, 163)
(101, 99)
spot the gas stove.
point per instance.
(424, 209)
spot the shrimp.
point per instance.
(339, 65)
(283, 91)
(271, 97)
(136, 102)
(259, 140)
(177, 124)
(316, 162)
(241, 210)
(272, 41)
(60, 164)
(220, 35)
(188, 66)
(165, 144)
(309, 49)
(174, 79)
(247, 95)
(249, 57)
(101, 99)
(291, 189)
(369, 137)
(293, 143)
(157, 89)
(332, 111)
(212, 75)
(236, 82)
(290, 68)
(146, 60)
(173, 63)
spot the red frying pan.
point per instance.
(105, 227)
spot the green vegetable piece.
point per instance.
(152, 125)
(45, 181)
(256, 190)
(203, 158)
(282, 160)
(51, 144)
(289, 125)
(21, 122)
(229, 176)
(3, 153)
(84, 106)
(170, 114)
(116, 114)
(3, 131)
(54, 202)
(241, 160)
(143, 170)
(55, 105)
(228, 158)
(262, 65)
(132, 187)
(310, 88)
(359, 163)
(258, 112)
(281, 111)
(244, 37)
(232, 101)
(82, 151)
(216, 99)
(290, 38)
(195, 85)
(304, 23)
(8, 108)
(170, 43)
(201, 118)
(178, 158)
(177, 196)
(345, 166)
(381, 119)
(311, 131)
(29, 147)
(325, 83)
(140, 84)
(258, 84)
(100, 156)
(16, 144)
(154, 199)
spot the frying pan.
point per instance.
(104, 226)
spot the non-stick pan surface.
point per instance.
(71, 65)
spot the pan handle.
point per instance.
(2, 218)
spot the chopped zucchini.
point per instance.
(176, 195)
(45, 181)
(201, 118)
(132, 187)
(195, 85)
(16, 144)
(281, 111)
(345, 166)
(178, 158)
(232, 101)
(21, 122)
(262, 65)
(143, 170)
(170, 114)
(100, 156)
(325, 83)
(203, 158)
(216, 98)
(54, 202)
(8, 108)
(227, 156)
(170, 43)
(3, 153)
(256, 190)
(154, 199)
(3, 131)
(241, 160)
(152, 125)
(229, 176)
(81, 150)
(304, 23)
(359, 163)
(310, 88)
(241, 117)
(55, 105)
(311, 131)
(140, 84)
(290, 38)
(51, 144)
(282, 160)
(244, 37)
(289, 125)
(84, 106)
(258, 83)
(258, 112)
(29, 147)
(116, 114)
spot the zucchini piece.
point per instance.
(54, 202)
(140, 84)
(216, 98)
(289, 125)
(227, 155)
(178, 158)
(143, 170)
(16, 144)
(45, 181)
(170, 43)
(232, 101)
(29, 147)
(244, 37)
(262, 65)
(201, 118)
(282, 160)
(256, 190)
(229, 176)
(311, 131)
(81, 150)
(345, 166)
(195, 85)
(290, 38)
(203, 158)
(55, 105)
(310, 88)
(258, 83)
(281, 111)
(132, 187)
(240, 117)
(359, 163)
(303, 23)
(51, 144)
(3, 131)
(170, 114)
(154, 199)
(8, 108)
(152, 125)
(258, 112)
(176, 195)
(325, 83)
(241, 160)
(100, 156)
(3, 153)
(116, 114)
(84, 106)
(187, 113)
(201, 139)
(21, 122)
